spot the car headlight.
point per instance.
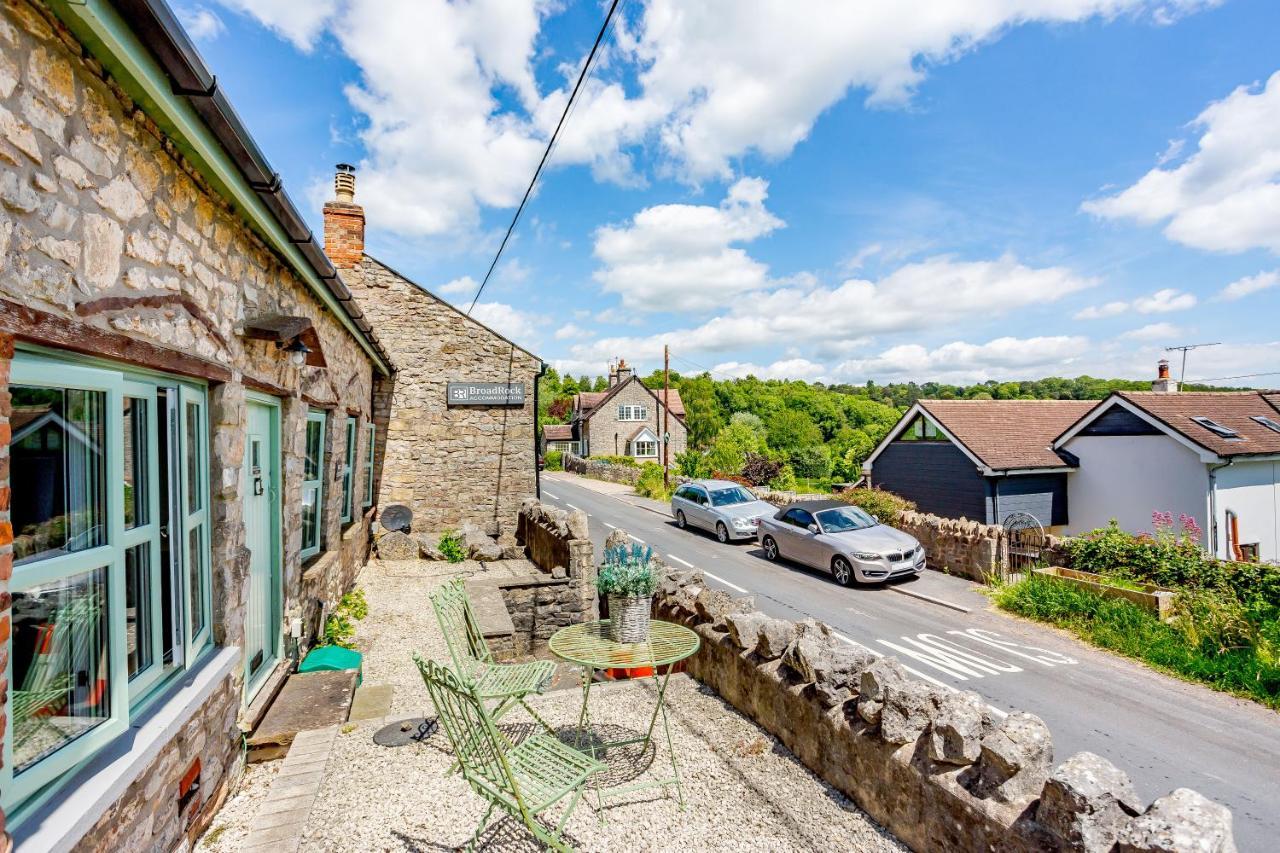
(742, 522)
(865, 555)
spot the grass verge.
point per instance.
(1252, 671)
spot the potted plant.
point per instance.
(627, 580)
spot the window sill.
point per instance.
(62, 820)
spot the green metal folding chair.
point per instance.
(523, 779)
(507, 683)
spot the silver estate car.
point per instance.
(841, 539)
(724, 508)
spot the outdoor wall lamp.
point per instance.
(298, 352)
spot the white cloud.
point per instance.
(1161, 302)
(202, 24)
(1250, 284)
(960, 361)
(1225, 196)
(519, 326)
(459, 286)
(1153, 332)
(790, 368)
(570, 331)
(681, 257)
(300, 23)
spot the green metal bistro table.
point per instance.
(588, 645)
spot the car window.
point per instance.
(845, 518)
(731, 496)
(798, 517)
(685, 493)
(698, 496)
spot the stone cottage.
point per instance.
(627, 419)
(456, 422)
(187, 429)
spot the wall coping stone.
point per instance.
(60, 823)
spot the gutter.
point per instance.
(143, 46)
(537, 432)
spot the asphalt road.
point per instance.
(1165, 733)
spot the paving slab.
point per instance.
(308, 700)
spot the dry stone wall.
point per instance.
(932, 766)
(595, 469)
(457, 465)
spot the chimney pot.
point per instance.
(344, 183)
(1163, 384)
(344, 220)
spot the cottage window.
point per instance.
(632, 413)
(371, 433)
(348, 467)
(646, 448)
(104, 464)
(313, 484)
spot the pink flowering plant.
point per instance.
(1171, 555)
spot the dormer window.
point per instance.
(1218, 429)
(1270, 423)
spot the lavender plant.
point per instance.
(627, 571)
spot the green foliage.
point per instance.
(791, 429)
(883, 505)
(650, 483)
(784, 480)
(857, 448)
(1214, 641)
(629, 461)
(339, 628)
(554, 460)
(452, 546)
(693, 463)
(813, 462)
(749, 420)
(729, 451)
(760, 470)
(627, 571)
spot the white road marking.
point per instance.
(680, 561)
(723, 581)
(610, 526)
(917, 673)
(635, 538)
(929, 598)
(571, 506)
(548, 494)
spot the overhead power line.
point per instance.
(1238, 376)
(546, 154)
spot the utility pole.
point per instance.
(666, 416)
(1183, 374)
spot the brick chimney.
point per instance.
(619, 374)
(344, 221)
(1163, 384)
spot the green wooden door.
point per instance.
(260, 491)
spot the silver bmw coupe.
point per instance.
(842, 539)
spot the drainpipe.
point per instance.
(537, 432)
(1213, 504)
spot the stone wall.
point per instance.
(6, 541)
(958, 546)
(449, 465)
(114, 246)
(597, 470)
(608, 436)
(934, 767)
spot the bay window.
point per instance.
(111, 571)
(348, 468)
(313, 484)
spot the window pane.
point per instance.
(135, 462)
(192, 450)
(137, 604)
(58, 450)
(195, 577)
(315, 449)
(310, 528)
(60, 665)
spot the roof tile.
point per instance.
(1008, 434)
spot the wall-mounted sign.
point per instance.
(486, 394)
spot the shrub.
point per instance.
(759, 470)
(650, 483)
(693, 464)
(452, 546)
(785, 481)
(616, 460)
(339, 628)
(885, 506)
(812, 463)
(627, 571)
(554, 460)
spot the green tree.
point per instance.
(702, 415)
(790, 430)
(732, 444)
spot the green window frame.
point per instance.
(313, 484)
(86, 603)
(371, 435)
(348, 469)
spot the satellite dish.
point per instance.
(397, 517)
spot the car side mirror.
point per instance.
(875, 518)
(813, 528)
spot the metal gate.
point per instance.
(1024, 541)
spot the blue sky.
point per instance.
(916, 190)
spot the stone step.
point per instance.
(308, 701)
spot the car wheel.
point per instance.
(680, 520)
(842, 570)
(722, 532)
(770, 549)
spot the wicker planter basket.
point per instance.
(629, 618)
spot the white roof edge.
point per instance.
(1206, 455)
(918, 408)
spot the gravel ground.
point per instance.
(744, 791)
